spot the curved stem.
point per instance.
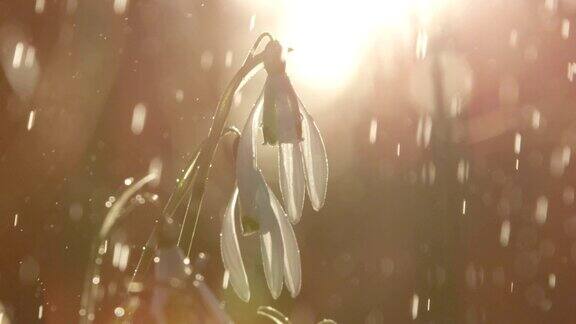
(92, 279)
(206, 155)
(258, 41)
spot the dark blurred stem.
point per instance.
(445, 199)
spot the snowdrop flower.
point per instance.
(286, 123)
(279, 248)
(303, 164)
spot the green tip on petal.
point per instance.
(249, 225)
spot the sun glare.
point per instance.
(330, 37)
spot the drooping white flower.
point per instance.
(279, 248)
(302, 155)
(303, 167)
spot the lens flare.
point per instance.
(331, 36)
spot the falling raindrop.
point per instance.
(517, 143)
(39, 6)
(541, 210)
(571, 71)
(551, 5)
(455, 106)
(429, 173)
(421, 44)
(505, 233)
(123, 259)
(138, 118)
(424, 131)
(228, 59)
(15, 220)
(116, 254)
(120, 6)
(252, 22)
(40, 311)
(31, 119)
(559, 160)
(414, 308)
(565, 28)
(18, 53)
(373, 130)
(206, 60)
(179, 95)
(30, 57)
(155, 168)
(552, 281)
(225, 279)
(463, 171)
(536, 119)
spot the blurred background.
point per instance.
(449, 127)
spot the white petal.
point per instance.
(270, 240)
(280, 254)
(292, 182)
(246, 165)
(315, 160)
(256, 202)
(292, 265)
(230, 249)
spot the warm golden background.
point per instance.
(480, 224)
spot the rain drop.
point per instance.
(138, 118)
(206, 60)
(541, 210)
(505, 233)
(31, 119)
(373, 130)
(414, 308)
(18, 53)
(252, 22)
(120, 6)
(565, 28)
(39, 6)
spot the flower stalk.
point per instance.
(198, 171)
(286, 124)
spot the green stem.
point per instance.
(204, 161)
